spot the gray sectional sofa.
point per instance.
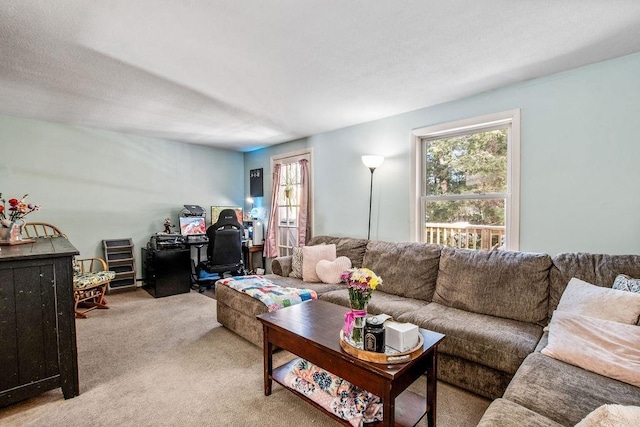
(491, 305)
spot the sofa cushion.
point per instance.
(612, 415)
(408, 269)
(608, 348)
(381, 302)
(600, 270)
(504, 413)
(353, 249)
(563, 392)
(310, 257)
(626, 283)
(586, 299)
(331, 271)
(513, 285)
(296, 263)
(495, 342)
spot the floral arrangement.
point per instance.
(361, 283)
(18, 209)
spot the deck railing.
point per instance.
(467, 236)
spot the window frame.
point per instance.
(418, 197)
(284, 159)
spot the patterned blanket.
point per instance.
(273, 296)
(337, 396)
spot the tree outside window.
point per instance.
(466, 195)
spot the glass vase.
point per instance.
(357, 333)
(15, 231)
(12, 232)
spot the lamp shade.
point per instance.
(372, 162)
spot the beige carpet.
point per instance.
(167, 362)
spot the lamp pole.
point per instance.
(372, 162)
(372, 169)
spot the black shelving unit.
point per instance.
(119, 256)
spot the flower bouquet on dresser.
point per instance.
(361, 282)
(12, 218)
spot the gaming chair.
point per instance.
(224, 251)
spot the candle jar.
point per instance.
(374, 335)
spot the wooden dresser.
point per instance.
(37, 324)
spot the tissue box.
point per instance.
(400, 336)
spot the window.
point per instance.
(291, 202)
(466, 181)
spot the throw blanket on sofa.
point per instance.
(335, 395)
(273, 296)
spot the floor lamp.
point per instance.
(372, 162)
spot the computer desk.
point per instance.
(248, 252)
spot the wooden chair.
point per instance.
(41, 229)
(90, 275)
(90, 283)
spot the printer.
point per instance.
(160, 241)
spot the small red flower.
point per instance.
(18, 208)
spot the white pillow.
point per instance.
(612, 415)
(310, 257)
(590, 300)
(331, 271)
(602, 346)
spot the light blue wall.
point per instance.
(98, 185)
(261, 159)
(579, 164)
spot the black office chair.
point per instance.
(224, 251)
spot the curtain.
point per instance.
(304, 215)
(271, 248)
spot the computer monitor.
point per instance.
(215, 212)
(192, 225)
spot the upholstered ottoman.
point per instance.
(237, 310)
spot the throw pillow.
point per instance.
(310, 257)
(602, 346)
(330, 271)
(296, 263)
(626, 283)
(584, 298)
(612, 415)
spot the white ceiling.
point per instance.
(246, 74)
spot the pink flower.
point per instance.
(18, 209)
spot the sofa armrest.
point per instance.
(281, 265)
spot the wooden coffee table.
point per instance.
(311, 330)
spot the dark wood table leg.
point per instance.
(388, 408)
(268, 361)
(432, 385)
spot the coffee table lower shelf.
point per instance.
(410, 407)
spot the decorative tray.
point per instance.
(389, 357)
